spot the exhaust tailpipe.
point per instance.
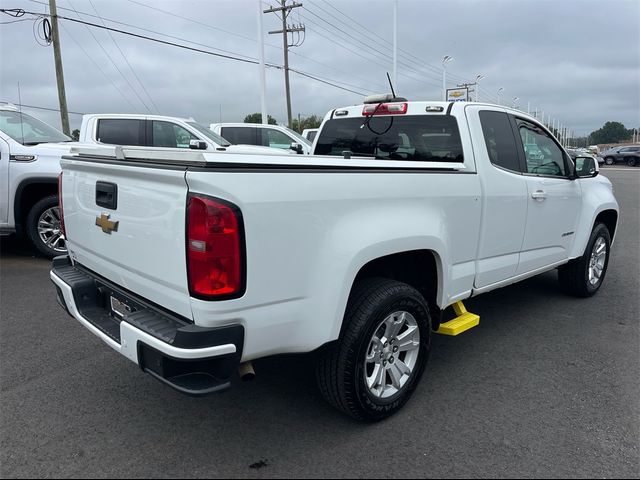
(246, 372)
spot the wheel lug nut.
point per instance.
(395, 349)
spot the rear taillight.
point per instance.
(385, 109)
(215, 248)
(62, 230)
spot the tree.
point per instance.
(257, 118)
(75, 134)
(611, 132)
(309, 122)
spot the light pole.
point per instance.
(478, 78)
(445, 60)
(500, 90)
(515, 99)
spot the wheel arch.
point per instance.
(420, 268)
(28, 193)
(610, 219)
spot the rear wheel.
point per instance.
(583, 276)
(381, 354)
(43, 227)
(609, 161)
(632, 161)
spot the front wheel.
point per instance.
(381, 354)
(583, 276)
(43, 227)
(609, 160)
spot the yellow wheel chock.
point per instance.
(463, 322)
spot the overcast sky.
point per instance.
(578, 60)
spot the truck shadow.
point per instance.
(14, 246)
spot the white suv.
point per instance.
(30, 152)
(274, 136)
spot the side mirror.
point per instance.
(586, 167)
(197, 145)
(297, 147)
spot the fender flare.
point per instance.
(17, 199)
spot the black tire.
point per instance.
(609, 161)
(341, 369)
(632, 161)
(574, 276)
(31, 227)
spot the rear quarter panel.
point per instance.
(308, 235)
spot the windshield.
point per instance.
(28, 130)
(430, 138)
(299, 137)
(214, 137)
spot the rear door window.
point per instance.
(427, 138)
(500, 141)
(121, 131)
(241, 135)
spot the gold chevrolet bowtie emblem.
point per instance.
(107, 225)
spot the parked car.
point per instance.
(192, 269)
(275, 136)
(159, 132)
(30, 152)
(629, 155)
(583, 152)
(310, 133)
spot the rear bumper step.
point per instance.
(193, 360)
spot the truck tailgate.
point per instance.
(146, 253)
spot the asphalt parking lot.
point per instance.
(546, 386)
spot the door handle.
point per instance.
(539, 195)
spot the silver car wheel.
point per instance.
(392, 354)
(49, 230)
(597, 261)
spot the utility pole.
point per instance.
(263, 73)
(62, 97)
(286, 29)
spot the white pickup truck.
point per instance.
(192, 265)
(156, 131)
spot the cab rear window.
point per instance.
(121, 131)
(427, 138)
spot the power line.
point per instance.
(16, 21)
(126, 60)
(348, 34)
(324, 81)
(370, 58)
(407, 67)
(177, 45)
(113, 62)
(367, 35)
(117, 22)
(182, 39)
(207, 25)
(371, 34)
(97, 65)
(42, 108)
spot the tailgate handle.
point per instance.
(107, 195)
